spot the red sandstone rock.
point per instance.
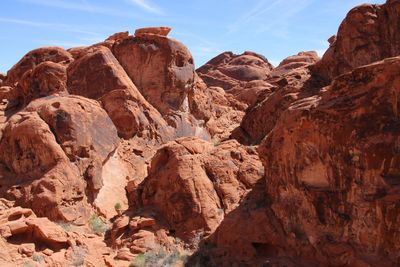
(161, 68)
(163, 31)
(329, 180)
(228, 70)
(302, 59)
(34, 58)
(192, 184)
(98, 75)
(52, 143)
(369, 33)
(327, 192)
(43, 80)
(261, 118)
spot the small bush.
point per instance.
(117, 206)
(97, 225)
(37, 258)
(27, 264)
(159, 258)
(216, 142)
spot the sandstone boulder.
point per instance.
(43, 80)
(161, 68)
(34, 58)
(22, 225)
(228, 70)
(300, 60)
(98, 75)
(261, 118)
(163, 31)
(192, 184)
(369, 33)
(50, 148)
(331, 167)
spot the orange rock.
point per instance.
(34, 58)
(361, 40)
(163, 31)
(192, 184)
(161, 68)
(99, 76)
(45, 79)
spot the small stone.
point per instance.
(27, 249)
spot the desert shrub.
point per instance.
(117, 206)
(97, 225)
(216, 142)
(202, 257)
(37, 258)
(27, 264)
(159, 258)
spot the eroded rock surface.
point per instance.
(161, 68)
(121, 148)
(369, 33)
(192, 184)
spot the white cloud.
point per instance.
(58, 27)
(272, 16)
(148, 6)
(84, 7)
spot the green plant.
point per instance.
(97, 225)
(139, 261)
(37, 258)
(117, 206)
(216, 142)
(158, 258)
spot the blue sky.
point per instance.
(274, 28)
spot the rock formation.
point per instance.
(122, 153)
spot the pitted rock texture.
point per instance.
(34, 58)
(98, 75)
(48, 147)
(153, 30)
(193, 184)
(369, 33)
(228, 70)
(261, 118)
(341, 181)
(161, 68)
(121, 148)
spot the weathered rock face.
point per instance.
(48, 147)
(161, 68)
(335, 187)
(192, 184)
(163, 31)
(302, 59)
(227, 70)
(98, 75)
(261, 118)
(325, 192)
(34, 58)
(219, 111)
(369, 33)
(45, 79)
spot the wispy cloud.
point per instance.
(147, 5)
(269, 15)
(64, 44)
(80, 6)
(58, 27)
